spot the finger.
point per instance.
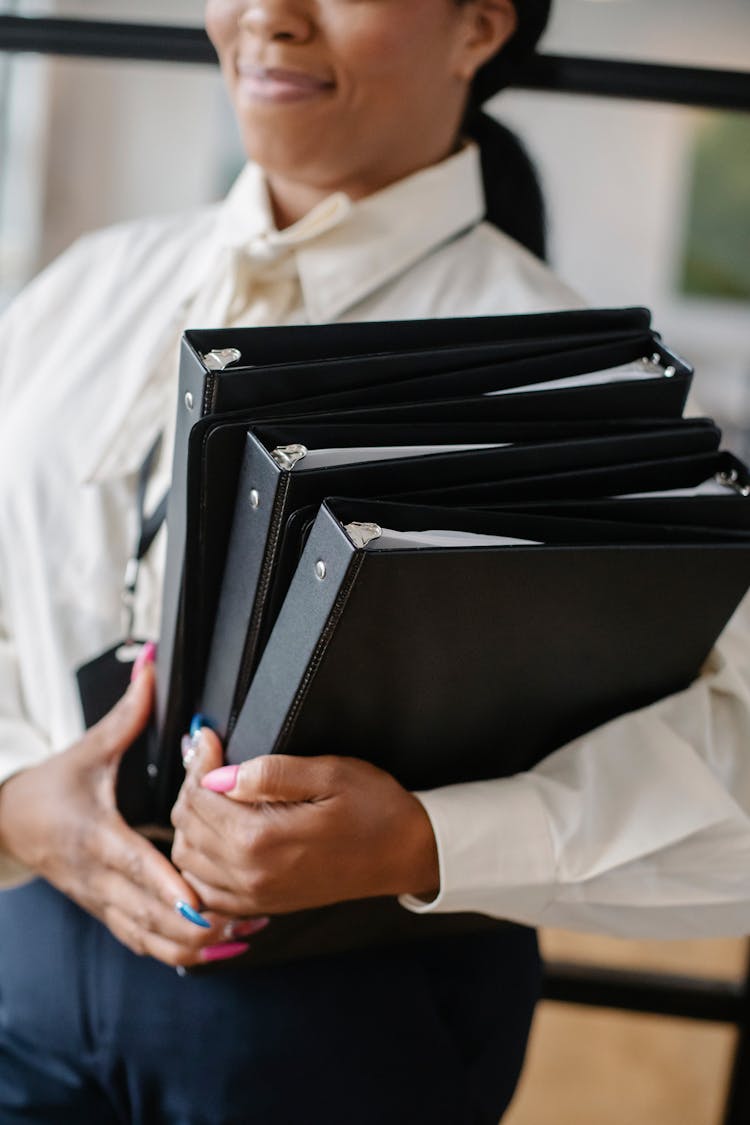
(208, 820)
(144, 943)
(278, 778)
(211, 869)
(221, 900)
(202, 752)
(120, 727)
(155, 917)
(123, 850)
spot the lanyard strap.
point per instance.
(148, 529)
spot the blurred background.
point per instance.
(648, 204)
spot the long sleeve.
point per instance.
(640, 828)
(21, 745)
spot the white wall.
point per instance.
(617, 177)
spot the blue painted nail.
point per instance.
(199, 721)
(191, 915)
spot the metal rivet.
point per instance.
(152, 770)
(254, 498)
(189, 400)
(320, 570)
(669, 372)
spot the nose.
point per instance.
(288, 20)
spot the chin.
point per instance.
(294, 153)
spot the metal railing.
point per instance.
(681, 85)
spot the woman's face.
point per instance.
(352, 94)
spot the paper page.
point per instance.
(627, 373)
(326, 458)
(396, 540)
(710, 487)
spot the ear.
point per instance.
(487, 27)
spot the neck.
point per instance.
(292, 199)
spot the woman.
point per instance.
(363, 202)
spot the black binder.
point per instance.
(231, 379)
(278, 477)
(582, 410)
(444, 664)
(448, 664)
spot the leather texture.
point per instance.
(252, 583)
(449, 665)
(377, 364)
(457, 664)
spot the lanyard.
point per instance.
(147, 530)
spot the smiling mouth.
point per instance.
(277, 85)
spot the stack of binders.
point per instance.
(447, 547)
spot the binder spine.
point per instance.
(249, 651)
(195, 394)
(255, 514)
(311, 611)
(321, 648)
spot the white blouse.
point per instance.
(639, 828)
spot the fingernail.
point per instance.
(221, 780)
(147, 655)
(189, 748)
(234, 930)
(198, 721)
(191, 915)
(223, 952)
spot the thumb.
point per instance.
(203, 753)
(277, 778)
(120, 727)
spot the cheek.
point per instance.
(221, 17)
(375, 66)
(394, 52)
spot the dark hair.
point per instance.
(513, 193)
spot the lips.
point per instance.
(279, 84)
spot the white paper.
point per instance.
(326, 458)
(708, 488)
(397, 540)
(627, 373)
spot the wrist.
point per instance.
(8, 790)
(422, 877)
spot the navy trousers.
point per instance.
(90, 1033)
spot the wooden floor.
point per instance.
(593, 1067)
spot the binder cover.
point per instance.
(443, 665)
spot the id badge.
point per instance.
(102, 682)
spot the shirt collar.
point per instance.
(246, 221)
(345, 251)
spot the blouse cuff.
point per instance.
(494, 847)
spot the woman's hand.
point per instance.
(59, 819)
(286, 833)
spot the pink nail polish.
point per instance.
(147, 655)
(221, 780)
(246, 929)
(223, 952)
